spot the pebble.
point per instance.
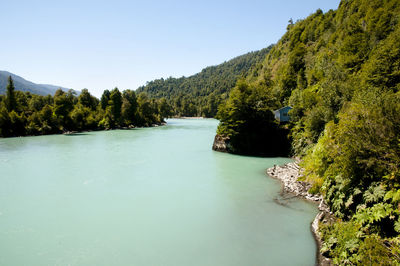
(289, 174)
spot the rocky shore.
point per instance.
(289, 174)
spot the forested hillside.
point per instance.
(23, 113)
(340, 71)
(200, 94)
(22, 84)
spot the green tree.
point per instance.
(105, 97)
(165, 108)
(145, 110)
(63, 105)
(247, 121)
(87, 100)
(191, 96)
(11, 103)
(129, 107)
(115, 103)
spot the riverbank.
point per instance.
(189, 117)
(289, 174)
(107, 129)
(72, 132)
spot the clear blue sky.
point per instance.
(105, 44)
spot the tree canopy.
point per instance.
(201, 94)
(23, 113)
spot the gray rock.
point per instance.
(221, 144)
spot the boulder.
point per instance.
(221, 144)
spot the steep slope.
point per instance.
(340, 71)
(22, 84)
(200, 94)
(321, 62)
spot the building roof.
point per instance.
(285, 107)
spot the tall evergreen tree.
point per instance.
(11, 103)
(87, 100)
(104, 99)
(116, 103)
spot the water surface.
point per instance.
(153, 196)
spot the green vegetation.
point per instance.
(201, 94)
(340, 71)
(23, 113)
(24, 85)
(250, 125)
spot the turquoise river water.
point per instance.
(151, 196)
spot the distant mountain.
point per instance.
(22, 84)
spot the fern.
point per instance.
(397, 225)
(375, 193)
(393, 195)
(374, 214)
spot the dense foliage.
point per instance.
(249, 124)
(340, 71)
(23, 113)
(201, 94)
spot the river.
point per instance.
(150, 196)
